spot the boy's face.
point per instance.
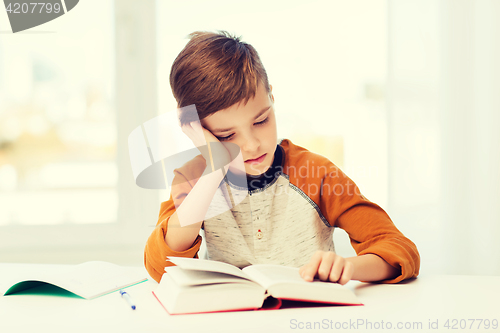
(252, 127)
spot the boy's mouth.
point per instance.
(256, 160)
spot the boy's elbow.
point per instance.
(150, 267)
(410, 267)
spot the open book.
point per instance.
(197, 286)
(88, 280)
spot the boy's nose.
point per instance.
(251, 145)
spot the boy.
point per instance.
(295, 197)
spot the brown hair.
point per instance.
(215, 71)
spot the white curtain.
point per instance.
(444, 138)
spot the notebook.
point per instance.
(87, 280)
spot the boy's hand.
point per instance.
(198, 134)
(328, 266)
(201, 137)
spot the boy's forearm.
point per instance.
(370, 267)
(181, 238)
(192, 210)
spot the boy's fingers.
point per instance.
(310, 269)
(337, 269)
(196, 126)
(185, 128)
(346, 273)
(327, 261)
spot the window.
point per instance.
(57, 122)
(67, 194)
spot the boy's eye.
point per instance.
(224, 138)
(262, 122)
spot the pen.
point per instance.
(127, 297)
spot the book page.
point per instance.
(188, 277)
(208, 265)
(96, 278)
(267, 275)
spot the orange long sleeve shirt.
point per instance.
(288, 214)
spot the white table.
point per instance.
(414, 306)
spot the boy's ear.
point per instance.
(271, 92)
